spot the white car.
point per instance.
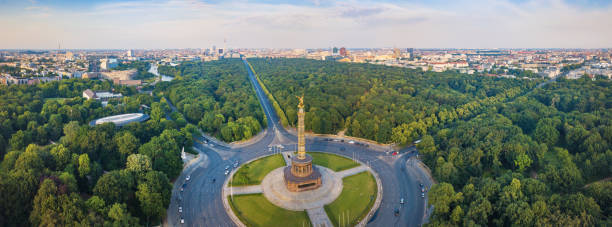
(226, 172)
(180, 209)
(351, 142)
(187, 178)
(182, 221)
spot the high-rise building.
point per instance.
(410, 51)
(130, 53)
(335, 51)
(396, 53)
(343, 51)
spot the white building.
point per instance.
(100, 95)
(107, 64)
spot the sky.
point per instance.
(160, 24)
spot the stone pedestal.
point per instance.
(302, 175)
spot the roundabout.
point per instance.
(271, 203)
(205, 200)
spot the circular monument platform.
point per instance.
(275, 190)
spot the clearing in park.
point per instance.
(254, 172)
(355, 201)
(256, 210)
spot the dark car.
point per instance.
(396, 212)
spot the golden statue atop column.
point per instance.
(301, 150)
(301, 175)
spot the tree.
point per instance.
(115, 186)
(29, 161)
(19, 140)
(441, 196)
(61, 155)
(45, 202)
(120, 216)
(127, 143)
(546, 132)
(164, 153)
(151, 203)
(427, 146)
(84, 165)
(456, 215)
(480, 210)
(138, 163)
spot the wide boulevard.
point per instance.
(200, 197)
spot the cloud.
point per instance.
(361, 12)
(194, 23)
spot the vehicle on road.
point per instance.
(342, 148)
(351, 142)
(226, 172)
(422, 194)
(187, 178)
(182, 221)
(402, 201)
(214, 179)
(396, 212)
(180, 209)
(182, 189)
(336, 140)
(227, 167)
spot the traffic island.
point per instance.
(355, 201)
(270, 203)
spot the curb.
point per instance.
(224, 194)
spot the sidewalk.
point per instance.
(318, 217)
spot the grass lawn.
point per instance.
(355, 201)
(332, 161)
(256, 210)
(253, 173)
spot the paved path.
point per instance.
(352, 171)
(318, 217)
(254, 189)
(286, 157)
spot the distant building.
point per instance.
(90, 75)
(335, 51)
(343, 52)
(100, 95)
(396, 53)
(119, 74)
(69, 56)
(122, 119)
(410, 52)
(107, 64)
(130, 53)
(127, 82)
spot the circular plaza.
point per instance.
(256, 193)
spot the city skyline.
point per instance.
(305, 24)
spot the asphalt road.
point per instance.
(201, 196)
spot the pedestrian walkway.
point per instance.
(353, 171)
(318, 217)
(275, 190)
(254, 189)
(286, 155)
